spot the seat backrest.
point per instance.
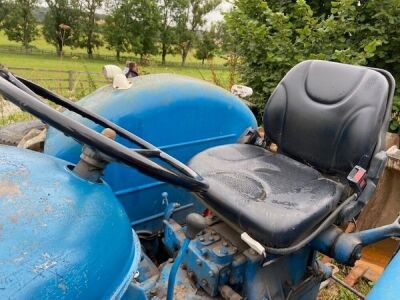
(332, 116)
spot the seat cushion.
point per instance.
(274, 198)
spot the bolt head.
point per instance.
(153, 292)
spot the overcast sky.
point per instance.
(216, 15)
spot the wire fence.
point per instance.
(75, 55)
(69, 83)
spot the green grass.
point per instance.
(58, 81)
(55, 63)
(41, 44)
(336, 291)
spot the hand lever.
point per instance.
(374, 235)
(195, 224)
(346, 248)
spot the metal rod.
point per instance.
(351, 289)
(175, 268)
(160, 215)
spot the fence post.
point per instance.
(70, 80)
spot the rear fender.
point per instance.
(180, 115)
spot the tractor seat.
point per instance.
(325, 118)
(273, 197)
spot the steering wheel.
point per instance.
(25, 94)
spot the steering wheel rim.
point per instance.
(18, 93)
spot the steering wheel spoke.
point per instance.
(147, 152)
(25, 94)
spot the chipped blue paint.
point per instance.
(61, 236)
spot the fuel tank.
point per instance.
(61, 236)
(181, 115)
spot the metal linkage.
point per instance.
(351, 289)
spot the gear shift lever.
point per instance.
(195, 224)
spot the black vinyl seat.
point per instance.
(325, 118)
(273, 196)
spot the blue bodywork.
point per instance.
(61, 236)
(181, 115)
(66, 237)
(216, 258)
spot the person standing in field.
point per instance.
(132, 70)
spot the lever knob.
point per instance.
(195, 224)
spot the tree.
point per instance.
(133, 25)
(350, 31)
(206, 45)
(60, 26)
(171, 11)
(270, 42)
(89, 31)
(319, 7)
(144, 27)
(116, 28)
(229, 51)
(381, 20)
(19, 24)
(3, 10)
(191, 22)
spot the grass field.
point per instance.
(21, 60)
(79, 64)
(54, 63)
(58, 83)
(41, 44)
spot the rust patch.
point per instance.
(10, 189)
(62, 287)
(48, 209)
(180, 291)
(14, 219)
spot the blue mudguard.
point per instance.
(61, 237)
(181, 115)
(388, 285)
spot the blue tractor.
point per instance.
(162, 188)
